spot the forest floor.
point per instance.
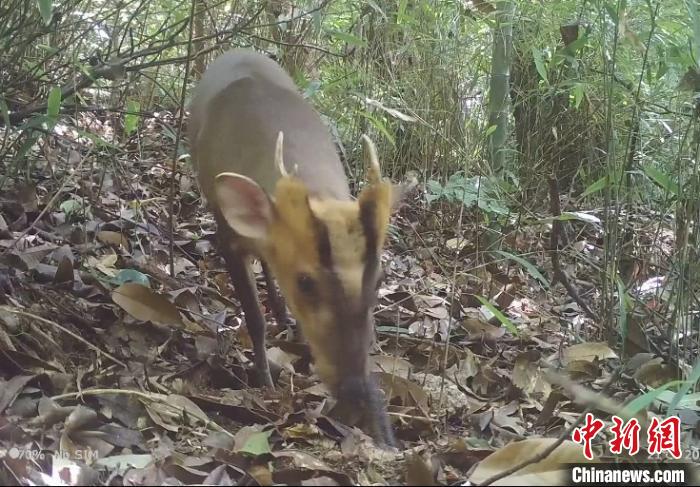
(114, 371)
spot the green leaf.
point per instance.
(347, 38)
(46, 10)
(529, 267)
(53, 104)
(539, 64)
(401, 13)
(131, 119)
(575, 46)
(681, 394)
(5, 112)
(497, 313)
(257, 443)
(491, 129)
(577, 91)
(131, 275)
(599, 185)
(379, 125)
(71, 206)
(660, 179)
(612, 12)
(644, 401)
(694, 11)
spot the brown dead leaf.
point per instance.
(146, 305)
(391, 365)
(172, 410)
(589, 351)
(476, 329)
(80, 418)
(302, 431)
(10, 390)
(419, 471)
(282, 358)
(507, 417)
(636, 340)
(528, 375)
(303, 460)
(64, 272)
(456, 243)
(218, 476)
(105, 264)
(410, 393)
(582, 369)
(465, 368)
(113, 238)
(186, 298)
(655, 373)
(261, 474)
(51, 413)
(26, 195)
(550, 471)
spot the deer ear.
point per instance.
(245, 206)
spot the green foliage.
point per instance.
(682, 393)
(131, 275)
(257, 444)
(131, 119)
(529, 267)
(75, 208)
(46, 10)
(539, 64)
(642, 402)
(475, 191)
(53, 106)
(661, 179)
(505, 321)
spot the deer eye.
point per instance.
(306, 284)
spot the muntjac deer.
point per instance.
(272, 177)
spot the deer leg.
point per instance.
(244, 285)
(277, 303)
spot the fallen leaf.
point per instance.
(550, 471)
(250, 439)
(478, 329)
(391, 365)
(419, 471)
(113, 238)
(11, 389)
(146, 305)
(119, 464)
(589, 351)
(64, 273)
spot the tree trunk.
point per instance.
(499, 86)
